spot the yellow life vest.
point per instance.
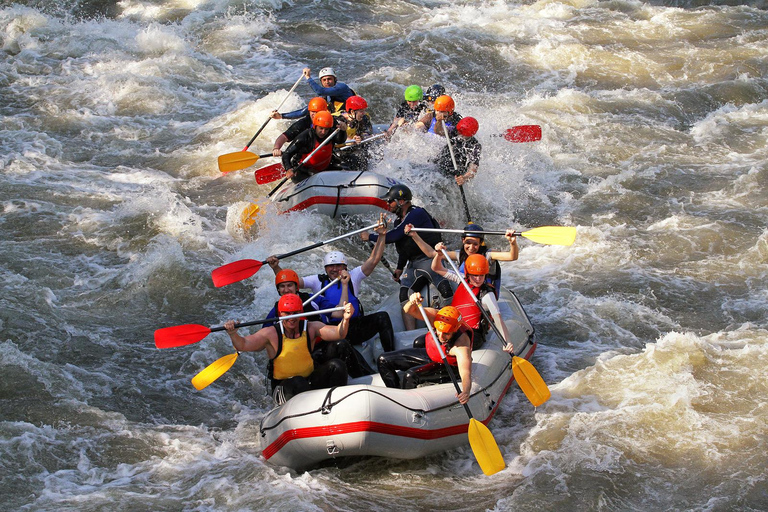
(294, 357)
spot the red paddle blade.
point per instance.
(523, 133)
(234, 272)
(180, 335)
(269, 174)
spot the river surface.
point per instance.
(652, 327)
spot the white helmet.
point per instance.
(326, 72)
(334, 258)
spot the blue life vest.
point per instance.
(333, 294)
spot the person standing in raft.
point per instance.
(414, 269)
(474, 243)
(289, 347)
(306, 142)
(410, 110)
(444, 111)
(335, 93)
(424, 364)
(466, 150)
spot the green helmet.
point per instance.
(413, 93)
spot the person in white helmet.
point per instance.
(335, 93)
(362, 326)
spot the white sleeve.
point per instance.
(356, 275)
(312, 282)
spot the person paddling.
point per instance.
(289, 347)
(336, 93)
(410, 110)
(359, 126)
(445, 110)
(306, 142)
(466, 151)
(425, 364)
(305, 121)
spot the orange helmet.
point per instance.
(448, 319)
(290, 303)
(323, 119)
(317, 104)
(444, 104)
(287, 276)
(476, 265)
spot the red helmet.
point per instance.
(467, 126)
(317, 104)
(290, 303)
(476, 265)
(448, 319)
(287, 276)
(444, 104)
(323, 119)
(356, 103)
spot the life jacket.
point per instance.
(294, 355)
(434, 354)
(448, 125)
(333, 294)
(470, 313)
(336, 104)
(320, 160)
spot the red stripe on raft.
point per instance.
(379, 428)
(371, 201)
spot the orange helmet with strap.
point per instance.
(317, 104)
(476, 265)
(287, 276)
(290, 303)
(444, 104)
(448, 320)
(323, 119)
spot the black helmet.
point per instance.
(469, 228)
(433, 91)
(398, 191)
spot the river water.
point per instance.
(652, 326)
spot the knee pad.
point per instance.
(420, 342)
(445, 289)
(403, 295)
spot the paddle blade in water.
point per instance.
(523, 133)
(248, 217)
(269, 173)
(213, 371)
(530, 381)
(236, 161)
(180, 335)
(551, 235)
(234, 272)
(485, 448)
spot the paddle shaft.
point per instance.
(270, 117)
(456, 168)
(319, 244)
(467, 233)
(287, 317)
(442, 355)
(383, 260)
(326, 141)
(350, 145)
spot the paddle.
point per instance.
(239, 160)
(274, 172)
(456, 168)
(522, 133)
(481, 439)
(548, 235)
(326, 141)
(219, 367)
(270, 117)
(527, 377)
(187, 334)
(243, 269)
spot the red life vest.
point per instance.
(434, 354)
(470, 313)
(320, 160)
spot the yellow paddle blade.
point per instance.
(485, 448)
(551, 235)
(236, 161)
(530, 381)
(213, 371)
(248, 217)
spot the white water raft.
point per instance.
(365, 418)
(335, 193)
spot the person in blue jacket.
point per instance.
(335, 93)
